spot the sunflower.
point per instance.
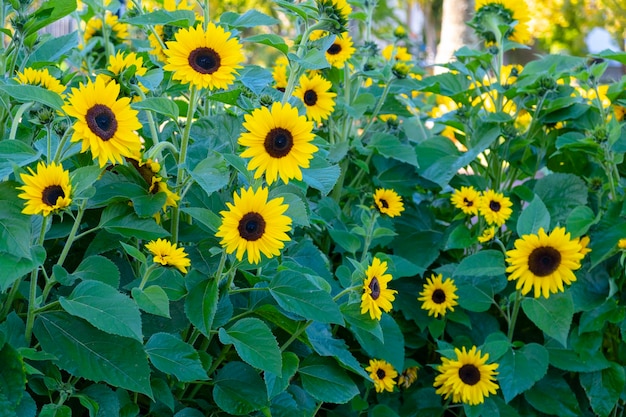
(120, 62)
(47, 190)
(278, 141)
(398, 53)
(160, 186)
(466, 199)
(494, 207)
(376, 295)
(104, 124)
(118, 30)
(468, 378)
(167, 254)
(544, 261)
(206, 59)
(280, 73)
(316, 95)
(407, 377)
(388, 202)
(490, 14)
(41, 78)
(621, 244)
(254, 225)
(340, 51)
(383, 374)
(487, 235)
(438, 296)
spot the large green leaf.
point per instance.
(561, 193)
(249, 19)
(15, 227)
(12, 378)
(122, 220)
(325, 344)
(14, 152)
(390, 348)
(212, 173)
(255, 344)
(98, 268)
(277, 383)
(296, 294)
(390, 146)
(48, 12)
(105, 308)
(86, 352)
(158, 105)
(533, 217)
(164, 17)
(239, 390)
(519, 369)
(325, 381)
(484, 263)
(201, 305)
(552, 315)
(53, 49)
(561, 401)
(153, 300)
(604, 388)
(172, 356)
(34, 93)
(14, 267)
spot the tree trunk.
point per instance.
(454, 30)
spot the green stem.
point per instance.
(156, 151)
(206, 14)
(48, 142)
(516, 305)
(250, 289)
(18, 118)
(62, 142)
(346, 291)
(379, 105)
(72, 236)
(295, 335)
(32, 295)
(146, 275)
(369, 235)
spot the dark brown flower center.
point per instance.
(439, 296)
(375, 288)
(334, 49)
(204, 60)
(384, 203)
(469, 374)
(278, 142)
(251, 226)
(544, 260)
(494, 206)
(310, 98)
(468, 203)
(380, 373)
(101, 121)
(51, 194)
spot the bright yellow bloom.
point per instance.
(315, 94)
(46, 191)
(494, 207)
(376, 296)
(167, 254)
(383, 374)
(41, 78)
(438, 296)
(388, 202)
(466, 199)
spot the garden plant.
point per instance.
(281, 212)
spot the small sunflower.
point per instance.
(388, 202)
(621, 244)
(254, 225)
(105, 124)
(376, 295)
(167, 254)
(160, 186)
(490, 14)
(120, 62)
(316, 95)
(468, 378)
(383, 374)
(487, 235)
(41, 78)
(466, 199)
(278, 141)
(397, 53)
(407, 377)
(438, 296)
(544, 262)
(494, 207)
(340, 51)
(206, 59)
(280, 73)
(47, 190)
(118, 31)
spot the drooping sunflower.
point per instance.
(488, 234)
(438, 296)
(340, 51)
(490, 14)
(316, 95)
(388, 202)
(466, 199)
(278, 141)
(544, 262)
(41, 78)
(206, 59)
(383, 374)
(47, 190)
(376, 296)
(468, 378)
(254, 225)
(167, 254)
(407, 377)
(494, 207)
(105, 124)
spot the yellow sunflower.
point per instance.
(167, 254)
(490, 14)
(376, 295)
(47, 190)
(438, 296)
(118, 31)
(383, 374)
(160, 186)
(388, 202)
(397, 53)
(468, 378)
(316, 95)
(279, 73)
(494, 207)
(120, 62)
(340, 51)
(105, 124)
(487, 235)
(407, 377)
(621, 244)
(41, 78)
(466, 199)
(278, 141)
(206, 59)
(544, 262)
(254, 225)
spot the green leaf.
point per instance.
(53, 49)
(12, 378)
(14, 152)
(460, 238)
(325, 381)
(520, 369)
(348, 241)
(98, 268)
(163, 17)
(55, 410)
(255, 344)
(105, 308)
(533, 217)
(561, 193)
(239, 390)
(296, 294)
(277, 383)
(134, 252)
(321, 175)
(159, 105)
(325, 344)
(390, 348)
(552, 315)
(15, 227)
(297, 209)
(89, 353)
(153, 300)
(205, 217)
(26, 93)
(269, 39)
(212, 173)
(484, 263)
(48, 12)
(201, 305)
(390, 146)
(496, 345)
(315, 59)
(561, 400)
(13, 267)
(82, 180)
(596, 319)
(354, 318)
(580, 219)
(104, 396)
(251, 18)
(148, 205)
(172, 356)
(603, 388)
(121, 219)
